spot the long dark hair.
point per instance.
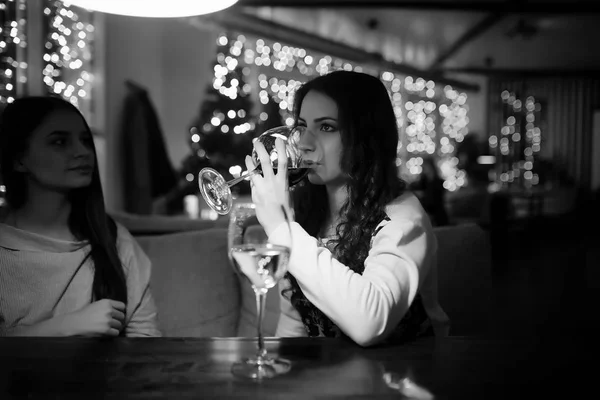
(88, 219)
(369, 135)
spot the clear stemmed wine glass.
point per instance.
(262, 264)
(216, 191)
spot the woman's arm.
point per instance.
(100, 318)
(141, 316)
(365, 307)
(143, 320)
(49, 327)
(290, 323)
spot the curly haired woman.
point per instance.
(363, 262)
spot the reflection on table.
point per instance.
(449, 368)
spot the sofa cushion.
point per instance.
(464, 284)
(145, 225)
(198, 293)
(195, 289)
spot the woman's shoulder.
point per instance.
(127, 245)
(124, 237)
(405, 212)
(134, 259)
(13, 238)
(405, 217)
(406, 206)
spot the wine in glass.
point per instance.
(216, 191)
(262, 264)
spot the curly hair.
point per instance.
(369, 136)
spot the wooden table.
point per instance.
(172, 368)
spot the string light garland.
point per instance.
(13, 64)
(68, 52)
(431, 119)
(429, 125)
(295, 61)
(13, 41)
(454, 127)
(274, 60)
(515, 151)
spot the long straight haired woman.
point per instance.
(66, 268)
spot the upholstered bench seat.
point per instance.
(198, 294)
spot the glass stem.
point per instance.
(240, 178)
(261, 297)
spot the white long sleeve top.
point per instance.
(368, 307)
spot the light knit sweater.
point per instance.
(42, 277)
(368, 307)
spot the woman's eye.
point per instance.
(327, 128)
(58, 142)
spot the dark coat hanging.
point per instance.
(148, 170)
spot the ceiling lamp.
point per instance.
(154, 8)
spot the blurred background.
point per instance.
(497, 101)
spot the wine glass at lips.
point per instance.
(262, 264)
(217, 192)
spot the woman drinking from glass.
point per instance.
(363, 260)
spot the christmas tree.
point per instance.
(221, 135)
(270, 117)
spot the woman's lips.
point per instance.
(310, 164)
(83, 169)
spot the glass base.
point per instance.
(261, 368)
(215, 191)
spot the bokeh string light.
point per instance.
(68, 51)
(429, 124)
(454, 127)
(13, 62)
(13, 41)
(519, 142)
(276, 60)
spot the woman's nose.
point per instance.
(306, 142)
(81, 149)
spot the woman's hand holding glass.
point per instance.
(271, 190)
(253, 256)
(217, 192)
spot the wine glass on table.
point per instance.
(262, 264)
(216, 191)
